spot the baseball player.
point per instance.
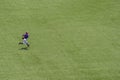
(25, 37)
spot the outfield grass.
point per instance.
(69, 39)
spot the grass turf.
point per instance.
(70, 40)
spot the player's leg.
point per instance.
(20, 42)
(26, 42)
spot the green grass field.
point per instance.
(69, 39)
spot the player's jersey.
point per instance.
(26, 36)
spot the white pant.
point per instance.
(25, 41)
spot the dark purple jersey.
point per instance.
(26, 36)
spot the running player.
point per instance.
(25, 37)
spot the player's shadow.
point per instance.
(24, 48)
